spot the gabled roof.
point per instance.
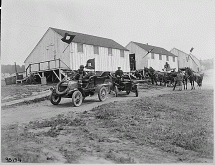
(179, 51)
(194, 58)
(91, 40)
(157, 50)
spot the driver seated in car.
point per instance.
(119, 74)
(81, 72)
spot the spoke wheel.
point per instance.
(102, 93)
(77, 98)
(55, 100)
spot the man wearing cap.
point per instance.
(81, 72)
(119, 72)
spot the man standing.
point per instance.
(178, 79)
(167, 66)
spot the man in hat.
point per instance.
(81, 72)
(178, 80)
(119, 72)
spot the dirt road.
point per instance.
(93, 139)
(43, 110)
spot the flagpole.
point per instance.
(95, 66)
(148, 52)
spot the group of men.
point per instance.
(119, 74)
(83, 74)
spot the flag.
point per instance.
(191, 49)
(90, 64)
(148, 52)
(68, 38)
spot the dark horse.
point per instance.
(138, 74)
(156, 76)
(192, 76)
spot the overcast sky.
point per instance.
(165, 23)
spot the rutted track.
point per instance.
(43, 110)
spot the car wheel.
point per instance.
(102, 93)
(77, 98)
(55, 100)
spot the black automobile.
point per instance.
(125, 83)
(79, 89)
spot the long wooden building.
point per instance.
(145, 55)
(52, 55)
(187, 60)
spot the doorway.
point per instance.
(132, 62)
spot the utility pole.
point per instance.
(16, 71)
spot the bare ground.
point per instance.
(160, 126)
(18, 91)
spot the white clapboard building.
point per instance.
(145, 55)
(187, 60)
(52, 54)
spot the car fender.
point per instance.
(101, 85)
(72, 90)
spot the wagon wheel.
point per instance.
(127, 92)
(116, 90)
(55, 100)
(102, 93)
(77, 98)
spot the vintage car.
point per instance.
(79, 89)
(125, 84)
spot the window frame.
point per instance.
(122, 53)
(110, 53)
(96, 49)
(152, 55)
(78, 48)
(160, 56)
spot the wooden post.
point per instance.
(60, 76)
(29, 68)
(39, 66)
(48, 64)
(59, 63)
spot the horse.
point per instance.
(198, 79)
(156, 76)
(191, 76)
(138, 74)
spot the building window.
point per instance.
(167, 58)
(80, 47)
(160, 56)
(96, 49)
(173, 59)
(110, 51)
(152, 56)
(121, 53)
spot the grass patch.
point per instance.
(143, 130)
